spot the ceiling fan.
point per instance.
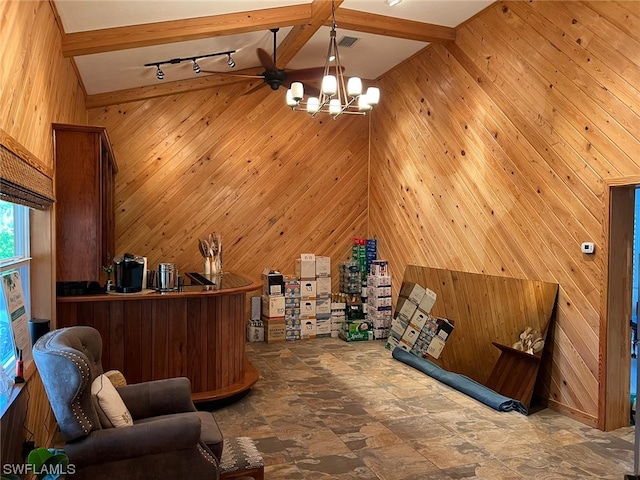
(275, 77)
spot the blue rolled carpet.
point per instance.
(462, 383)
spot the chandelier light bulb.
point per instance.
(329, 85)
(354, 87)
(373, 96)
(159, 73)
(196, 67)
(297, 91)
(334, 107)
(290, 100)
(313, 105)
(231, 62)
(363, 103)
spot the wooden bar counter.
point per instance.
(198, 333)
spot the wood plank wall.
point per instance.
(489, 155)
(37, 87)
(274, 183)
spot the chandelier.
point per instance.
(336, 96)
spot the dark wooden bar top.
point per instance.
(198, 332)
(225, 284)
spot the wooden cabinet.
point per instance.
(84, 184)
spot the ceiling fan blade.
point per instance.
(230, 74)
(266, 60)
(315, 73)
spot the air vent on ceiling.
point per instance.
(347, 42)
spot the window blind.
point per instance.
(20, 181)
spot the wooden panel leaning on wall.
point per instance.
(488, 312)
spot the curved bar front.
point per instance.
(198, 333)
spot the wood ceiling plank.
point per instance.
(393, 27)
(121, 38)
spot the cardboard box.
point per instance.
(293, 335)
(272, 306)
(398, 326)
(375, 292)
(380, 333)
(323, 327)
(256, 307)
(410, 336)
(413, 291)
(379, 281)
(323, 306)
(379, 268)
(392, 342)
(323, 286)
(308, 329)
(419, 319)
(274, 329)
(255, 333)
(305, 266)
(292, 323)
(427, 302)
(291, 287)
(308, 289)
(291, 302)
(375, 302)
(272, 282)
(405, 308)
(355, 336)
(307, 308)
(323, 266)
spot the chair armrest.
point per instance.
(158, 397)
(114, 444)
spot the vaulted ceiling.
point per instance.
(110, 41)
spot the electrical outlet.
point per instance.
(27, 446)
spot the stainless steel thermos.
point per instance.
(166, 277)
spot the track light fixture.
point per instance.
(196, 67)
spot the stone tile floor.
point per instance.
(327, 409)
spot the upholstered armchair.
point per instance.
(166, 436)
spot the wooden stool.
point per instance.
(240, 458)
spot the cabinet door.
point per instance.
(85, 201)
(78, 206)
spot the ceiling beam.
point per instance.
(300, 34)
(121, 38)
(171, 88)
(393, 27)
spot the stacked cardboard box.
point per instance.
(273, 305)
(306, 272)
(413, 328)
(338, 312)
(379, 309)
(323, 296)
(292, 296)
(255, 327)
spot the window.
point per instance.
(14, 255)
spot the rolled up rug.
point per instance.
(461, 383)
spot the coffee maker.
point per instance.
(130, 271)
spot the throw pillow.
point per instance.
(111, 409)
(116, 377)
